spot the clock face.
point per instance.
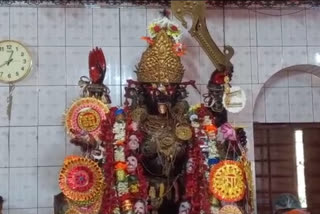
(15, 61)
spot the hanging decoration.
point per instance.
(230, 209)
(227, 181)
(85, 116)
(234, 99)
(81, 180)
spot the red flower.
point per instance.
(174, 28)
(179, 49)
(157, 28)
(218, 77)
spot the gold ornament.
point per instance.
(86, 209)
(86, 114)
(72, 211)
(81, 180)
(161, 191)
(248, 173)
(227, 181)
(138, 114)
(89, 120)
(159, 64)
(230, 209)
(183, 132)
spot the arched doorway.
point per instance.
(287, 101)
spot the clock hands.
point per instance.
(10, 58)
(8, 61)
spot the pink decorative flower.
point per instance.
(228, 132)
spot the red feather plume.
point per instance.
(97, 66)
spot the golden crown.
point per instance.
(160, 63)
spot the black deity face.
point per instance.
(159, 98)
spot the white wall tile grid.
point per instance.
(33, 142)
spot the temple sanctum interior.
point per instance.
(159, 107)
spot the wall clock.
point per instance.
(15, 61)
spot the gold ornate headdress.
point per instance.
(161, 63)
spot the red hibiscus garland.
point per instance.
(196, 182)
(109, 200)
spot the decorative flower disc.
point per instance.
(230, 209)
(86, 115)
(81, 179)
(227, 181)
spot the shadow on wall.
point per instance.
(290, 95)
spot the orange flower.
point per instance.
(119, 142)
(121, 165)
(148, 39)
(179, 49)
(210, 128)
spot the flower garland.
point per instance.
(196, 181)
(171, 29)
(205, 133)
(197, 166)
(120, 164)
(126, 182)
(110, 199)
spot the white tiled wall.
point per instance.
(33, 143)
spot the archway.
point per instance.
(296, 76)
(291, 95)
